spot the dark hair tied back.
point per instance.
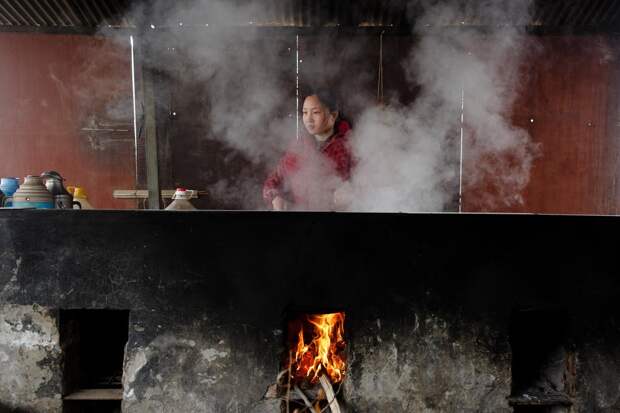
(329, 100)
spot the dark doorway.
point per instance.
(93, 344)
(541, 375)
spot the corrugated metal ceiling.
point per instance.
(41, 15)
(88, 15)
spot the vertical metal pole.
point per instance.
(152, 162)
(133, 98)
(147, 169)
(461, 150)
(146, 96)
(297, 86)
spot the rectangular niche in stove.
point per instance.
(93, 344)
(543, 373)
(314, 363)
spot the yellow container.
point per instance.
(79, 195)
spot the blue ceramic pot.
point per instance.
(8, 186)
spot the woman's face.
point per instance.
(317, 118)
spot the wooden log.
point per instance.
(311, 391)
(329, 394)
(288, 387)
(303, 397)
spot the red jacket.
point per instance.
(307, 175)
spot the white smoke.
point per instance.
(232, 87)
(221, 80)
(233, 70)
(409, 157)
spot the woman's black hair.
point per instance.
(329, 100)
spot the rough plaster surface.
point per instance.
(29, 360)
(422, 366)
(200, 368)
(9, 271)
(596, 364)
(417, 365)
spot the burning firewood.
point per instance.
(303, 397)
(315, 363)
(288, 387)
(319, 398)
(329, 393)
(324, 353)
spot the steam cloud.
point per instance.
(408, 155)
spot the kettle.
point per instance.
(62, 198)
(180, 200)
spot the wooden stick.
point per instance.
(288, 387)
(303, 397)
(329, 394)
(280, 375)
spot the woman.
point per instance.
(310, 174)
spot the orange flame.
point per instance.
(325, 353)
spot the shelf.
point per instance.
(556, 399)
(144, 194)
(96, 394)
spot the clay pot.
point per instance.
(33, 194)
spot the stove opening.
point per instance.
(93, 346)
(543, 373)
(314, 363)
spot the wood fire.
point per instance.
(324, 353)
(316, 362)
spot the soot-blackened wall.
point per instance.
(428, 300)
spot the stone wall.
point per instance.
(428, 300)
(30, 358)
